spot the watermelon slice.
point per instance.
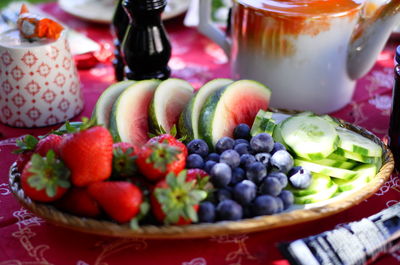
(189, 119)
(129, 115)
(170, 98)
(229, 106)
(102, 109)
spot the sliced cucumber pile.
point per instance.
(310, 137)
(266, 121)
(338, 158)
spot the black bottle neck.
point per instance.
(146, 12)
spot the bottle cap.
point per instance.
(146, 5)
(397, 58)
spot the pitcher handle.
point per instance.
(209, 29)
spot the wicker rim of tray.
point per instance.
(108, 228)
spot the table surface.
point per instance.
(27, 239)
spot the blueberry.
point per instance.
(229, 210)
(277, 146)
(246, 160)
(206, 212)
(213, 157)
(238, 174)
(230, 157)
(198, 146)
(194, 161)
(242, 148)
(244, 192)
(242, 131)
(287, 198)
(223, 144)
(283, 179)
(208, 165)
(241, 141)
(262, 142)
(265, 205)
(300, 178)
(281, 206)
(282, 161)
(223, 194)
(263, 158)
(221, 175)
(256, 172)
(270, 186)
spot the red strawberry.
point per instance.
(200, 177)
(45, 179)
(121, 200)
(123, 160)
(51, 141)
(23, 159)
(26, 146)
(88, 154)
(79, 202)
(175, 200)
(155, 160)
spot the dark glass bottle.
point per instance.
(119, 25)
(394, 127)
(146, 48)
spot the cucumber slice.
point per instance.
(102, 109)
(331, 120)
(319, 183)
(266, 121)
(188, 124)
(317, 197)
(310, 137)
(129, 115)
(229, 106)
(170, 98)
(326, 170)
(365, 173)
(335, 163)
(277, 135)
(356, 143)
(337, 157)
(355, 156)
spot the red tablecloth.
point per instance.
(26, 239)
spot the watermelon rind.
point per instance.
(172, 92)
(102, 109)
(215, 121)
(188, 125)
(129, 108)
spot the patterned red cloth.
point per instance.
(26, 239)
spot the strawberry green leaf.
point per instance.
(179, 198)
(27, 143)
(191, 213)
(123, 162)
(162, 155)
(48, 173)
(134, 224)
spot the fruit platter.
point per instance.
(158, 159)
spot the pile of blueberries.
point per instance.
(249, 175)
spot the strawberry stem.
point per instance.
(48, 173)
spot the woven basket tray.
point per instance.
(294, 215)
